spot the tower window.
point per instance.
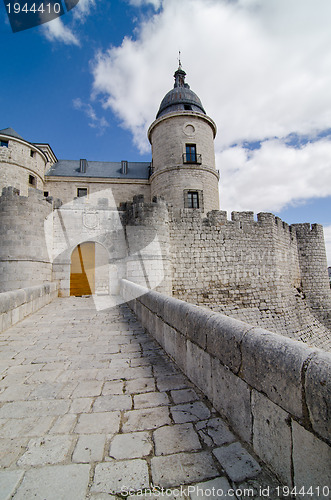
(32, 153)
(4, 144)
(81, 192)
(32, 180)
(191, 153)
(193, 199)
(187, 107)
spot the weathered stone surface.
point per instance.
(89, 448)
(215, 488)
(232, 398)
(55, 483)
(9, 481)
(111, 403)
(121, 476)
(237, 462)
(95, 423)
(182, 468)
(150, 418)
(272, 435)
(224, 336)
(150, 400)
(175, 438)
(214, 432)
(131, 445)
(318, 393)
(190, 412)
(199, 368)
(47, 450)
(311, 460)
(184, 396)
(273, 364)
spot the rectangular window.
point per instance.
(191, 153)
(31, 153)
(45, 194)
(81, 192)
(192, 199)
(4, 144)
(32, 180)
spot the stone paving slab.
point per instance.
(91, 405)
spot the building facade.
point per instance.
(87, 224)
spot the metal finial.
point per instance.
(179, 61)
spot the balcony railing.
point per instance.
(192, 158)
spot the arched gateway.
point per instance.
(89, 272)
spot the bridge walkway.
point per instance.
(92, 407)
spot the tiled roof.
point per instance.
(105, 169)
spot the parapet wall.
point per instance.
(16, 305)
(275, 392)
(263, 272)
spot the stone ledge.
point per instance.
(17, 304)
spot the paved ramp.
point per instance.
(91, 407)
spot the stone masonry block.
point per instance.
(199, 368)
(196, 321)
(273, 364)
(318, 393)
(224, 336)
(272, 439)
(170, 341)
(232, 398)
(311, 459)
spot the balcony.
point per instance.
(192, 158)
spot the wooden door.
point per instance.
(82, 272)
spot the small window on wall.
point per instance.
(32, 153)
(32, 181)
(191, 153)
(193, 199)
(81, 192)
(4, 144)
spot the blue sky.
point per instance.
(90, 83)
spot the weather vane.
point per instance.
(179, 61)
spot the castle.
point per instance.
(85, 225)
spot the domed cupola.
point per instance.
(181, 97)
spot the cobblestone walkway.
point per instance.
(91, 406)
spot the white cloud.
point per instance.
(94, 121)
(262, 70)
(139, 3)
(56, 31)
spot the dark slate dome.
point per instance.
(180, 98)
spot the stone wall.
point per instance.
(17, 164)
(253, 270)
(24, 260)
(275, 392)
(17, 304)
(66, 188)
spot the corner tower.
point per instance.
(182, 139)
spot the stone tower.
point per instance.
(182, 139)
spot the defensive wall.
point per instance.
(24, 260)
(275, 392)
(18, 304)
(264, 272)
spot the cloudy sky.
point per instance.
(90, 84)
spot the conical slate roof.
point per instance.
(180, 98)
(11, 132)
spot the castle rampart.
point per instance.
(24, 260)
(274, 392)
(251, 270)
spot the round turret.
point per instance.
(182, 139)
